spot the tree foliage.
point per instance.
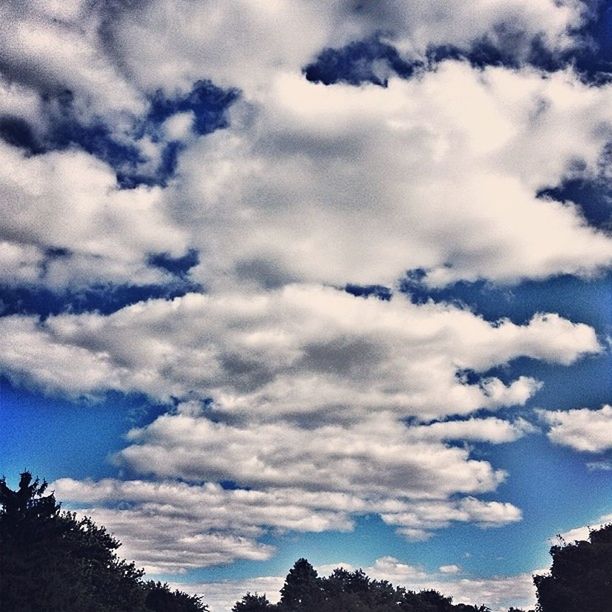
(252, 602)
(53, 561)
(580, 577)
(347, 591)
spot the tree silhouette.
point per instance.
(160, 598)
(580, 577)
(302, 588)
(347, 591)
(253, 603)
(52, 561)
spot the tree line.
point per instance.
(53, 561)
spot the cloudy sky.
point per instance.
(301, 278)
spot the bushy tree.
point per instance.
(52, 561)
(580, 577)
(253, 603)
(161, 598)
(347, 591)
(302, 589)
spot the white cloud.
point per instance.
(441, 514)
(480, 430)
(582, 532)
(449, 569)
(163, 543)
(341, 184)
(297, 350)
(168, 526)
(178, 126)
(70, 200)
(582, 429)
(19, 263)
(237, 43)
(355, 184)
(55, 46)
(377, 456)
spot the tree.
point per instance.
(253, 603)
(580, 577)
(52, 561)
(302, 588)
(160, 598)
(349, 591)
(356, 592)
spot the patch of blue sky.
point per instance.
(56, 437)
(592, 195)
(67, 129)
(104, 299)
(581, 300)
(358, 62)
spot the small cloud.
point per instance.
(604, 466)
(582, 429)
(449, 569)
(178, 126)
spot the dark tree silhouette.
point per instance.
(253, 603)
(580, 578)
(345, 591)
(355, 591)
(52, 561)
(302, 589)
(161, 598)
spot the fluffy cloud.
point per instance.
(439, 515)
(168, 526)
(344, 184)
(581, 429)
(297, 350)
(53, 46)
(372, 457)
(170, 44)
(355, 184)
(70, 202)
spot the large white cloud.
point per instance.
(313, 183)
(296, 350)
(581, 429)
(70, 200)
(354, 184)
(169, 44)
(168, 526)
(375, 456)
(344, 184)
(56, 46)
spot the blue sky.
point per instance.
(329, 279)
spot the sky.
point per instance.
(301, 278)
